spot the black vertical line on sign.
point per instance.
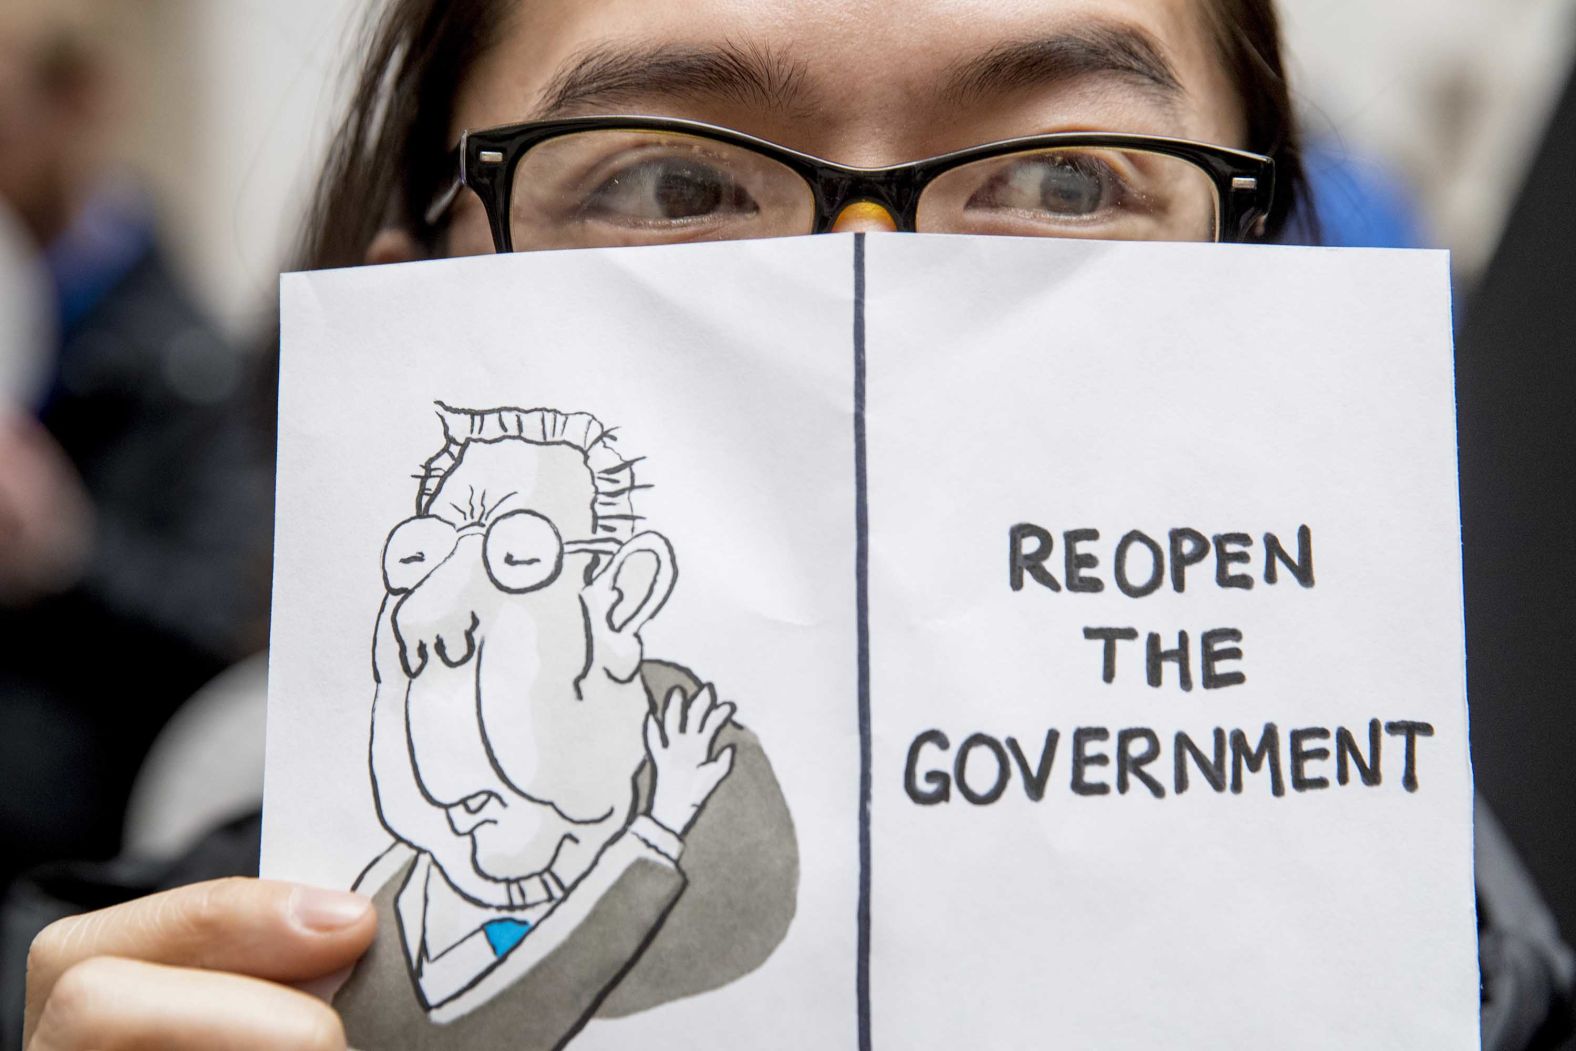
(862, 593)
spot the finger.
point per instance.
(704, 697)
(113, 1004)
(716, 718)
(673, 714)
(721, 766)
(280, 931)
(655, 741)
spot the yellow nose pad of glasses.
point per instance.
(864, 217)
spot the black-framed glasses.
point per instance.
(584, 182)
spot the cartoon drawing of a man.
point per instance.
(578, 830)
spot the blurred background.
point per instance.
(163, 150)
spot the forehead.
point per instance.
(867, 75)
(512, 475)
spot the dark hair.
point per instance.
(1247, 32)
(389, 154)
(388, 160)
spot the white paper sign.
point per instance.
(899, 642)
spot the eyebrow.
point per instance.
(1104, 49)
(606, 76)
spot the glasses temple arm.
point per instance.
(443, 202)
(600, 546)
(446, 197)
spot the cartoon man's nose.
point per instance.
(439, 618)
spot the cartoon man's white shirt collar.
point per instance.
(444, 940)
(451, 948)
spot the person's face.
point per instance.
(500, 739)
(30, 143)
(52, 132)
(861, 82)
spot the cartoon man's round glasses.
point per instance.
(598, 181)
(522, 551)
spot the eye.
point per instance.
(663, 190)
(415, 548)
(1054, 185)
(523, 552)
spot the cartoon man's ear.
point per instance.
(626, 594)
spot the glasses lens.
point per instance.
(1116, 194)
(602, 187)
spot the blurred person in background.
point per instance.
(133, 506)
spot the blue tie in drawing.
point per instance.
(504, 935)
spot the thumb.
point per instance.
(719, 767)
(282, 932)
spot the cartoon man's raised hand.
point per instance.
(680, 745)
